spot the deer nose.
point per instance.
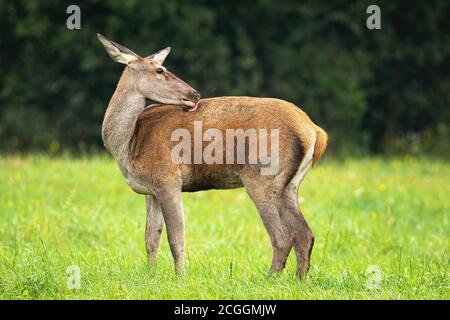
(193, 95)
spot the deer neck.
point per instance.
(120, 119)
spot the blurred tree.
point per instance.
(366, 88)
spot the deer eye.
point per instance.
(159, 70)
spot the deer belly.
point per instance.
(204, 177)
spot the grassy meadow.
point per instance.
(387, 215)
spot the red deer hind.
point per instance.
(141, 139)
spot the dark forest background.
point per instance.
(374, 91)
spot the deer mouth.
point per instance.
(191, 104)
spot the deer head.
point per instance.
(151, 78)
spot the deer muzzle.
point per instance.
(191, 101)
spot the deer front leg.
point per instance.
(153, 228)
(172, 210)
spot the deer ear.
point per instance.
(116, 51)
(159, 56)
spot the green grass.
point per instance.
(57, 212)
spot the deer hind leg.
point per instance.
(303, 235)
(293, 218)
(172, 211)
(153, 228)
(265, 200)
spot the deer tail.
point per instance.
(320, 145)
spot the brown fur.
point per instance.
(150, 146)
